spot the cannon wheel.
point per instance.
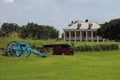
(26, 51)
(25, 54)
(9, 49)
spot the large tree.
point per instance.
(35, 31)
(110, 30)
(8, 28)
(31, 30)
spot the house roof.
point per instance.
(83, 25)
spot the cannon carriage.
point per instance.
(19, 49)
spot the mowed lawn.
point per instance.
(102, 65)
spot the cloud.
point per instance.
(8, 1)
(82, 1)
(78, 2)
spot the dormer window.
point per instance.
(90, 26)
(78, 26)
(70, 25)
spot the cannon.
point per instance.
(21, 49)
(59, 49)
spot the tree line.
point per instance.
(31, 30)
(110, 30)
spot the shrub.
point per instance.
(103, 47)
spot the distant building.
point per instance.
(82, 31)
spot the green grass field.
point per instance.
(101, 65)
(81, 66)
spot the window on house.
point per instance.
(90, 26)
(67, 34)
(78, 26)
(94, 34)
(69, 25)
(84, 34)
(73, 34)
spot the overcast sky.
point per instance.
(58, 13)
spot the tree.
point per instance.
(31, 30)
(110, 30)
(35, 31)
(8, 28)
(2, 33)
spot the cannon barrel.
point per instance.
(56, 45)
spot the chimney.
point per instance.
(72, 22)
(86, 20)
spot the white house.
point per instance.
(82, 31)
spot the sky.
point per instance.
(58, 13)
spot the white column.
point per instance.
(69, 35)
(97, 38)
(91, 36)
(81, 36)
(75, 36)
(64, 36)
(86, 36)
(103, 40)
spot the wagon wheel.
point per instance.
(9, 49)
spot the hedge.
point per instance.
(103, 47)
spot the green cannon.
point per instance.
(21, 49)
